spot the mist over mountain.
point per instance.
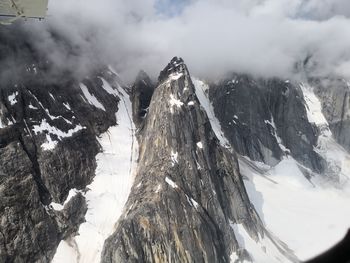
(265, 38)
(176, 131)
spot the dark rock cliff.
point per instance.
(48, 145)
(266, 119)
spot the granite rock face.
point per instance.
(244, 112)
(188, 189)
(28, 233)
(48, 130)
(266, 119)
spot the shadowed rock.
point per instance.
(258, 116)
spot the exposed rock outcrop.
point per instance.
(265, 119)
(48, 130)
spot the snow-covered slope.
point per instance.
(308, 217)
(109, 190)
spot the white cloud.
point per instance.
(265, 37)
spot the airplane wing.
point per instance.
(23, 8)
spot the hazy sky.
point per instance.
(264, 37)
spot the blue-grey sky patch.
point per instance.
(171, 7)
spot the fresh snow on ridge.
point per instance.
(108, 192)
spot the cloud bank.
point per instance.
(261, 37)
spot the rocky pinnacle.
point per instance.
(187, 190)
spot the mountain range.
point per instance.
(178, 169)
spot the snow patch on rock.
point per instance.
(174, 103)
(107, 87)
(274, 133)
(91, 98)
(32, 107)
(13, 98)
(313, 106)
(67, 106)
(46, 110)
(175, 76)
(201, 92)
(52, 97)
(171, 182)
(200, 145)
(71, 194)
(174, 158)
(49, 130)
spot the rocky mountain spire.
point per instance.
(188, 190)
